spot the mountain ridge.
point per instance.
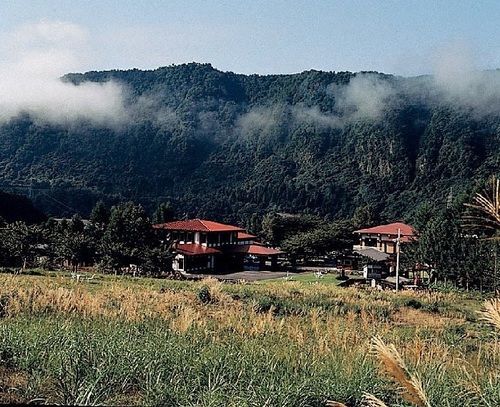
(228, 146)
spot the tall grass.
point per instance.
(211, 344)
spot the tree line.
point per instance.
(112, 239)
(457, 240)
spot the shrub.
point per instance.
(204, 295)
(413, 303)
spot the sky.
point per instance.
(401, 37)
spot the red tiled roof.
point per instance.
(193, 249)
(198, 225)
(254, 249)
(390, 229)
(246, 236)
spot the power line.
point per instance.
(60, 203)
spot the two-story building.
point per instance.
(379, 245)
(383, 237)
(204, 246)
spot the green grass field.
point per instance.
(312, 278)
(124, 341)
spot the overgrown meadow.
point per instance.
(117, 341)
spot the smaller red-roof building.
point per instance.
(255, 249)
(378, 244)
(383, 237)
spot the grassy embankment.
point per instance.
(275, 343)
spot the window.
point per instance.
(180, 263)
(203, 238)
(224, 238)
(371, 242)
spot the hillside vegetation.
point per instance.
(229, 146)
(279, 343)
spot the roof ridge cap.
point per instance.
(203, 223)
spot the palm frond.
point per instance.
(484, 209)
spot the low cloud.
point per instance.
(366, 96)
(34, 57)
(261, 120)
(461, 84)
(151, 107)
(313, 116)
(455, 83)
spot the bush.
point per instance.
(413, 303)
(204, 295)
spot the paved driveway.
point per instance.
(245, 275)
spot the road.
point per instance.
(244, 275)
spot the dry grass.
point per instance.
(304, 327)
(370, 400)
(11, 380)
(331, 403)
(491, 313)
(394, 366)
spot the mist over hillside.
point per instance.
(228, 146)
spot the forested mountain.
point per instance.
(229, 146)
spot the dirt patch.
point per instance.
(12, 383)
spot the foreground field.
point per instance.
(118, 341)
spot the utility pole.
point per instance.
(397, 259)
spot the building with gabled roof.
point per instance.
(383, 237)
(378, 244)
(204, 246)
(198, 225)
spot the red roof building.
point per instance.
(246, 236)
(198, 225)
(207, 246)
(192, 249)
(383, 237)
(256, 250)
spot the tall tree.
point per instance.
(99, 215)
(127, 237)
(73, 242)
(21, 243)
(364, 216)
(164, 213)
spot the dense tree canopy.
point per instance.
(229, 147)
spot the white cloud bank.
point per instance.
(461, 84)
(34, 57)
